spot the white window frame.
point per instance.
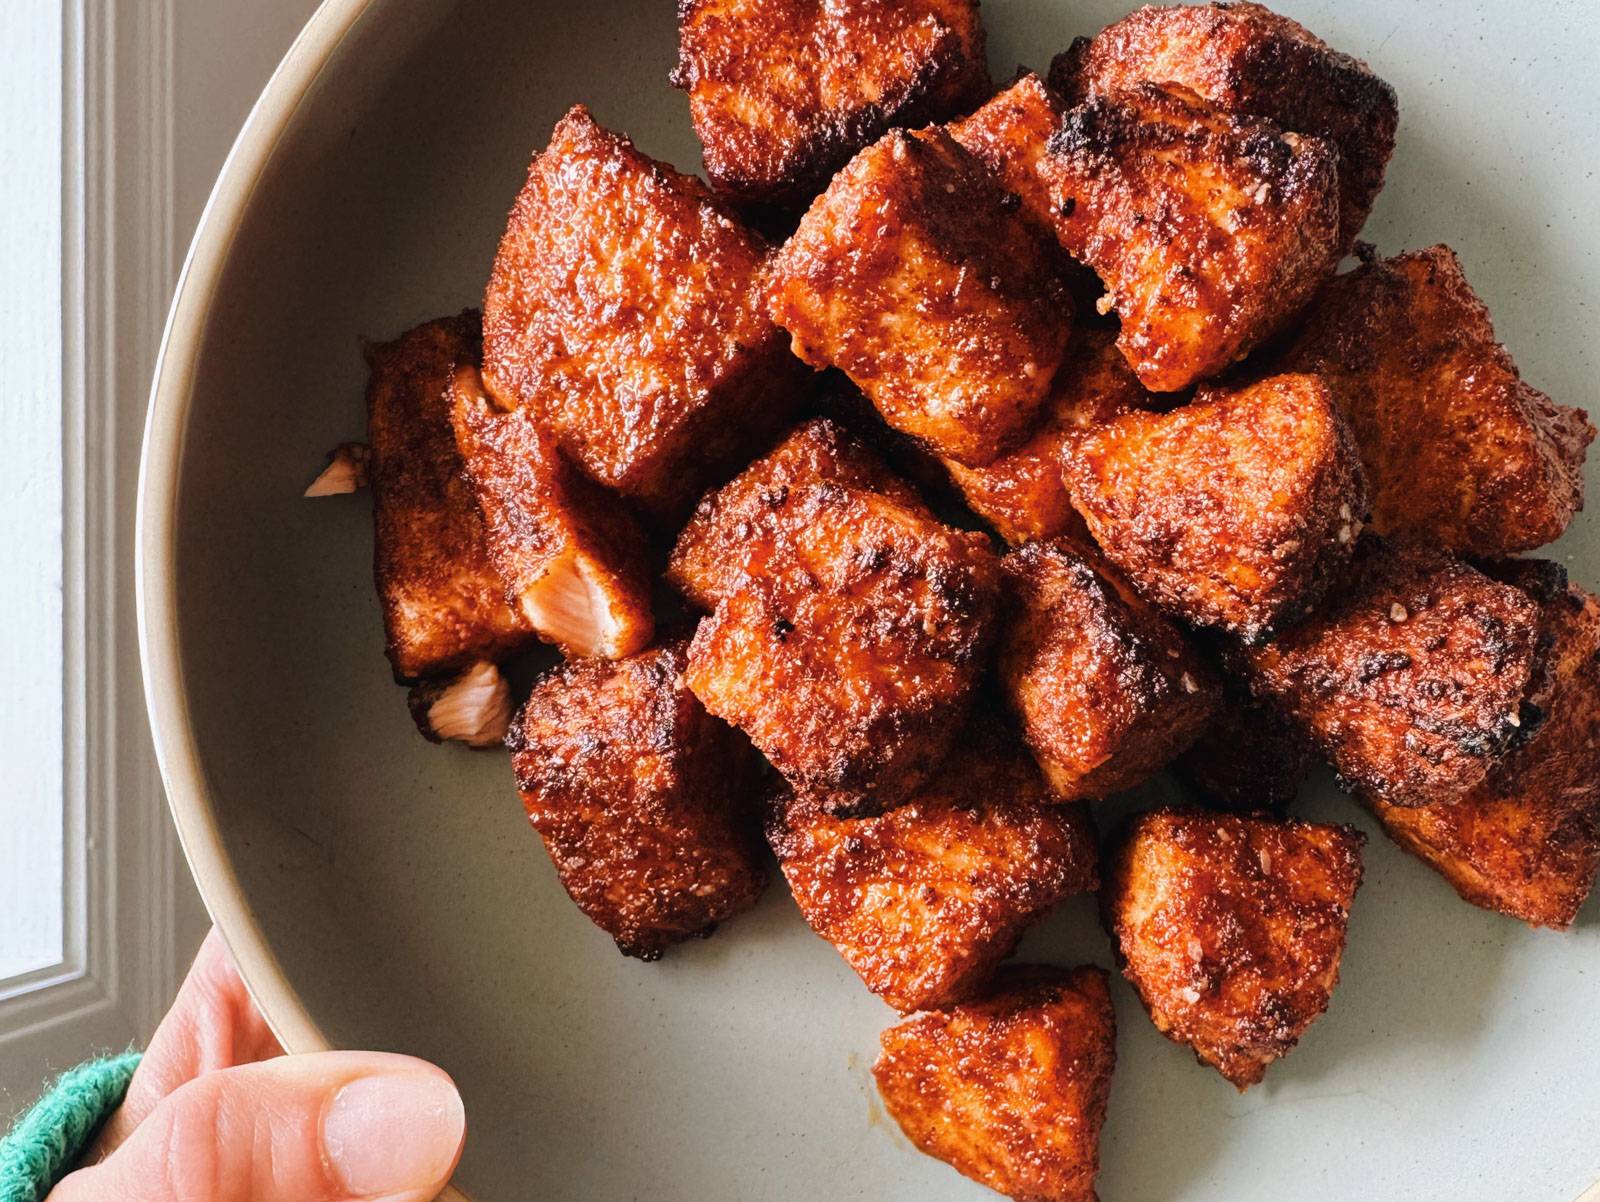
(123, 873)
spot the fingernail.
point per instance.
(393, 1133)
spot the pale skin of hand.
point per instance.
(217, 1113)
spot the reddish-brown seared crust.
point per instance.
(1526, 843)
(1415, 678)
(1009, 135)
(1235, 511)
(1010, 1091)
(1210, 231)
(849, 626)
(784, 92)
(926, 900)
(624, 310)
(537, 509)
(737, 530)
(645, 801)
(1248, 758)
(1460, 450)
(851, 664)
(1247, 59)
(1231, 929)
(915, 277)
(444, 605)
(1022, 494)
(1107, 690)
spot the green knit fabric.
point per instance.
(49, 1140)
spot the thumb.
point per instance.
(331, 1127)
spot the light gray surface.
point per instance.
(408, 901)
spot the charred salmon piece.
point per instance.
(926, 900)
(783, 93)
(1231, 929)
(1107, 690)
(1249, 60)
(1236, 511)
(572, 560)
(623, 310)
(1210, 231)
(444, 602)
(645, 802)
(1460, 450)
(1010, 1090)
(1526, 843)
(851, 655)
(1415, 679)
(916, 276)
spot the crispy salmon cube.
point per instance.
(572, 559)
(1107, 690)
(736, 531)
(1415, 678)
(1010, 1091)
(1022, 494)
(784, 92)
(1460, 449)
(1234, 511)
(849, 626)
(1010, 133)
(852, 661)
(1247, 59)
(1209, 231)
(645, 802)
(624, 311)
(1249, 757)
(914, 276)
(1231, 929)
(926, 900)
(1526, 842)
(444, 604)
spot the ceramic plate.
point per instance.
(385, 893)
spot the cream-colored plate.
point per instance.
(384, 893)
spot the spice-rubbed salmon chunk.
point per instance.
(849, 626)
(1011, 1090)
(1234, 511)
(645, 802)
(1460, 450)
(572, 559)
(1249, 757)
(851, 663)
(623, 310)
(1415, 677)
(1010, 134)
(1209, 231)
(1247, 59)
(1527, 841)
(1107, 691)
(914, 276)
(926, 900)
(444, 604)
(1022, 494)
(784, 92)
(1231, 929)
(737, 530)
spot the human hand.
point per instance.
(217, 1113)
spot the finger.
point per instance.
(331, 1127)
(212, 1025)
